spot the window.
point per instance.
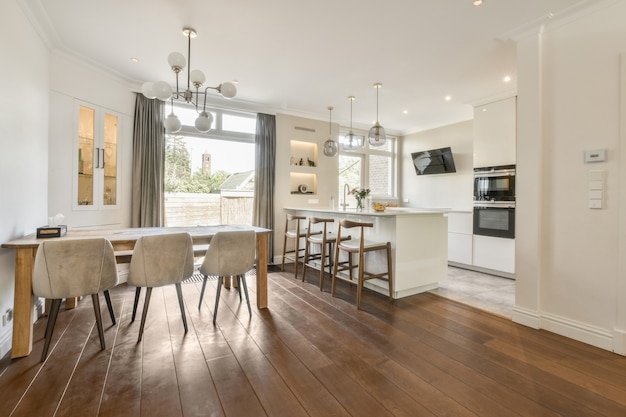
(209, 177)
(373, 168)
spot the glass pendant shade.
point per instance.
(162, 90)
(197, 78)
(172, 124)
(352, 142)
(376, 135)
(147, 89)
(330, 146)
(204, 121)
(177, 61)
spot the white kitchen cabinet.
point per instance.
(495, 133)
(460, 237)
(494, 253)
(95, 165)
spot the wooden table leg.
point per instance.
(23, 303)
(261, 270)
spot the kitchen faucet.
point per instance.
(346, 187)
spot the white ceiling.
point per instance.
(299, 57)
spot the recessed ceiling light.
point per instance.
(507, 79)
(448, 98)
(405, 112)
(135, 60)
(478, 2)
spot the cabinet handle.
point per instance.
(102, 149)
(97, 157)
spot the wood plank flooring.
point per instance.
(308, 355)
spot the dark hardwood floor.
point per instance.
(309, 355)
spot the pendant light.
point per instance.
(351, 142)
(330, 146)
(377, 136)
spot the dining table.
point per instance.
(123, 241)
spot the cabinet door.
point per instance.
(96, 168)
(494, 133)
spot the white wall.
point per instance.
(452, 190)
(71, 80)
(24, 143)
(569, 102)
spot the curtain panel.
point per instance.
(148, 164)
(265, 169)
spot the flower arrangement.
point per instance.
(360, 194)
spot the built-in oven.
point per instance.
(494, 184)
(496, 219)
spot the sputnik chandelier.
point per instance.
(163, 91)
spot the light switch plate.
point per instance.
(598, 155)
(595, 204)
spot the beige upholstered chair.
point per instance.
(324, 239)
(360, 247)
(157, 261)
(74, 268)
(230, 254)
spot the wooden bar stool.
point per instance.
(323, 238)
(359, 246)
(293, 233)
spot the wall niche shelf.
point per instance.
(303, 168)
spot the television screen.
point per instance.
(434, 161)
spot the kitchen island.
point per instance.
(419, 244)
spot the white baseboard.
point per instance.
(592, 335)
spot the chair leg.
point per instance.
(202, 291)
(335, 267)
(137, 292)
(181, 303)
(238, 280)
(305, 258)
(282, 266)
(389, 273)
(217, 297)
(242, 281)
(52, 319)
(146, 304)
(96, 309)
(360, 282)
(107, 297)
(297, 256)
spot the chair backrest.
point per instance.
(230, 253)
(348, 224)
(290, 219)
(311, 230)
(72, 268)
(161, 260)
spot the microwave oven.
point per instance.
(493, 184)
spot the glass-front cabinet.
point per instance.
(96, 182)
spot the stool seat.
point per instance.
(359, 246)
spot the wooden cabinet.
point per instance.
(96, 168)
(494, 253)
(495, 129)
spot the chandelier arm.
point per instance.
(189, 61)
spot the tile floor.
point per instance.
(484, 291)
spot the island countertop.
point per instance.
(389, 211)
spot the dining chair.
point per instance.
(360, 247)
(157, 261)
(74, 268)
(230, 253)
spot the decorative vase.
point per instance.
(359, 204)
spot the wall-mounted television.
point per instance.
(433, 161)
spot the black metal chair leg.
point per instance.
(242, 281)
(52, 319)
(137, 292)
(181, 303)
(107, 297)
(239, 286)
(202, 290)
(146, 303)
(96, 309)
(217, 297)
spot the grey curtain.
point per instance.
(265, 155)
(148, 163)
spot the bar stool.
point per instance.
(359, 246)
(325, 239)
(293, 233)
